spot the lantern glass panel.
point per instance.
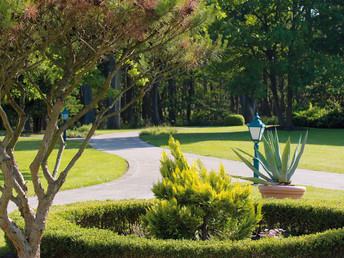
(256, 133)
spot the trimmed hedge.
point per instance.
(66, 235)
(320, 117)
(233, 120)
(216, 118)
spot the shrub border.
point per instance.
(64, 238)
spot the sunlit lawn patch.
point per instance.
(324, 149)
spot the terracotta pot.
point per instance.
(282, 191)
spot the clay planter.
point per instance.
(282, 191)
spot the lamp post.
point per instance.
(256, 128)
(65, 115)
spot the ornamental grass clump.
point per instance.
(279, 169)
(195, 204)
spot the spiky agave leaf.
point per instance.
(295, 162)
(269, 154)
(285, 161)
(251, 166)
(277, 151)
(257, 180)
(277, 167)
(262, 160)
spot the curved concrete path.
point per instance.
(144, 162)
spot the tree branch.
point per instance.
(6, 123)
(39, 90)
(59, 156)
(8, 185)
(63, 175)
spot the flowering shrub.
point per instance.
(275, 233)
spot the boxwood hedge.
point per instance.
(94, 229)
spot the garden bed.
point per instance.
(98, 229)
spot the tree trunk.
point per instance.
(281, 87)
(266, 108)
(87, 98)
(127, 114)
(190, 98)
(289, 108)
(146, 103)
(33, 252)
(37, 124)
(290, 90)
(27, 125)
(204, 229)
(155, 95)
(114, 122)
(277, 110)
(248, 108)
(171, 97)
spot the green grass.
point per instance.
(105, 131)
(324, 150)
(157, 130)
(93, 167)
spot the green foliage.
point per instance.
(67, 237)
(158, 130)
(279, 168)
(10, 11)
(234, 120)
(320, 117)
(207, 203)
(119, 217)
(212, 116)
(168, 220)
(79, 132)
(291, 215)
(94, 167)
(273, 120)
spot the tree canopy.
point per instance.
(72, 38)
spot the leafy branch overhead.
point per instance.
(70, 39)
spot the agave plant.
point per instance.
(279, 168)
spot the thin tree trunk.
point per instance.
(146, 106)
(171, 97)
(289, 108)
(248, 105)
(277, 110)
(204, 229)
(114, 122)
(87, 98)
(155, 95)
(191, 94)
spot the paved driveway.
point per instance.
(143, 161)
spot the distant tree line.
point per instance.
(282, 59)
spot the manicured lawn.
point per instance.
(94, 167)
(105, 131)
(324, 150)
